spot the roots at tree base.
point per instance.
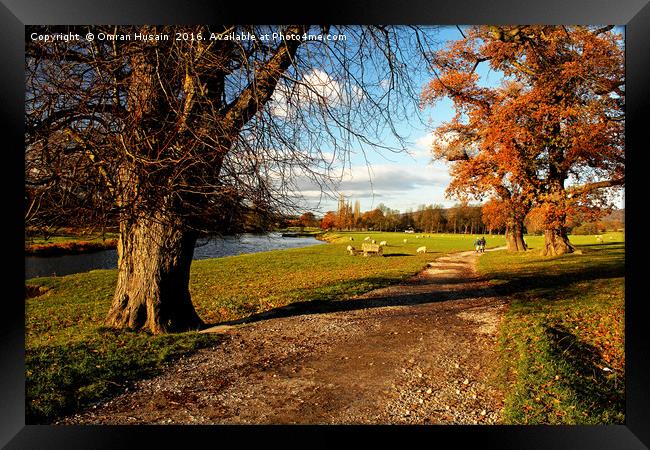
(556, 242)
(515, 238)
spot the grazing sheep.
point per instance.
(351, 238)
(383, 243)
(351, 250)
(421, 250)
(405, 240)
(373, 241)
(367, 238)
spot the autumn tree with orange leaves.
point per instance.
(329, 220)
(549, 137)
(495, 215)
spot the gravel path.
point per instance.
(421, 352)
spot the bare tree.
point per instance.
(171, 138)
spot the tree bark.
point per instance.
(152, 293)
(515, 237)
(556, 242)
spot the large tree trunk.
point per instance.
(556, 242)
(515, 237)
(152, 293)
(154, 248)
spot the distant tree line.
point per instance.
(463, 218)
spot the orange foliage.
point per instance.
(329, 220)
(556, 118)
(495, 214)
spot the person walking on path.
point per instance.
(482, 244)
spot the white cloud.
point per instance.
(399, 186)
(422, 147)
(424, 142)
(317, 87)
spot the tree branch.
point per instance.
(259, 91)
(590, 187)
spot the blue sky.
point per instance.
(399, 180)
(405, 180)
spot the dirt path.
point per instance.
(419, 352)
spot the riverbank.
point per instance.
(56, 264)
(69, 247)
(306, 232)
(70, 244)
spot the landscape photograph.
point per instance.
(325, 225)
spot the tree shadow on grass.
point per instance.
(547, 285)
(605, 267)
(600, 244)
(600, 392)
(62, 379)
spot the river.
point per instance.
(43, 266)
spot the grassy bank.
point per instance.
(72, 361)
(69, 244)
(301, 232)
(561, 342)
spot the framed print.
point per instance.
(404, 220)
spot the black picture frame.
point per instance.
(15, 14)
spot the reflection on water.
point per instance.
(39, 266)
(43, 266)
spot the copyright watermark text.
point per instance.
(184, 36)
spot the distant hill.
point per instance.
(617, 215)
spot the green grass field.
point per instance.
(561, 342)
(71, 360)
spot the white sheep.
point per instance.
(383, 243)
(421, 250)
(405, 241)
(351, 249)
(373, 241)
(351, 238)
(367, 238)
